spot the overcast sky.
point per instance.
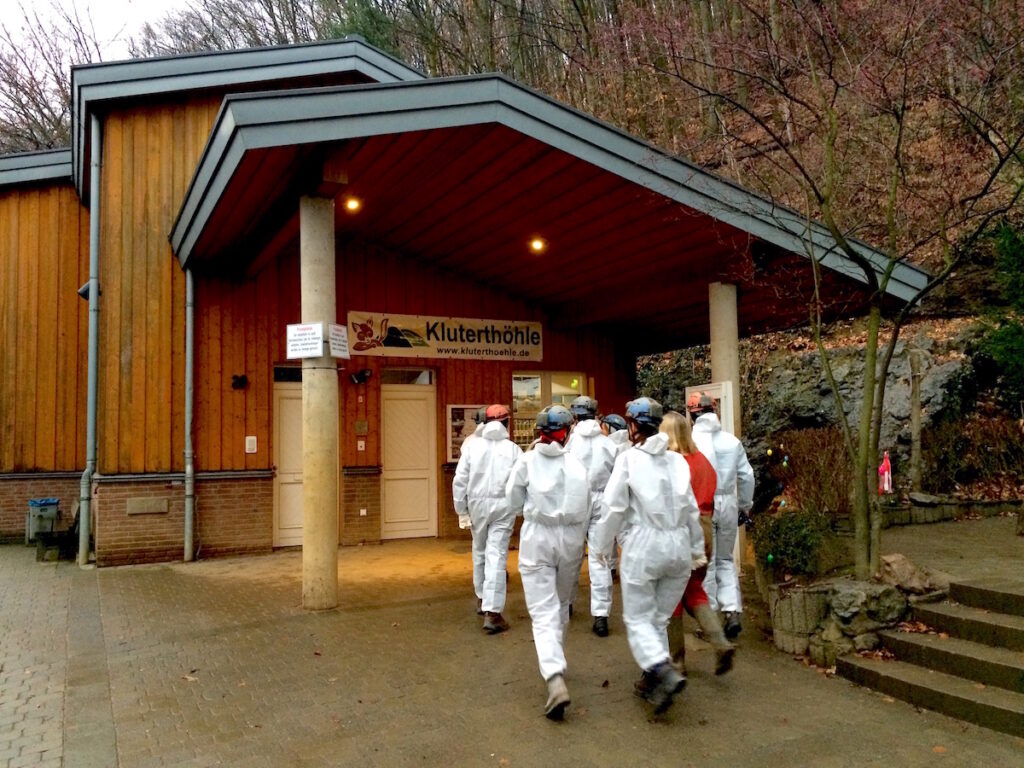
(114, 20)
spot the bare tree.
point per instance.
(35, 75)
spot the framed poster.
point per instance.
(721, 395)
(461, 424)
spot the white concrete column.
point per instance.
(725, 343)
(320, 481)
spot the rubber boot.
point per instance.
(667, 683)
(677, 643)
(713, 633)
(558, 698)
(731, 624)
(494, 623)
(601, 626)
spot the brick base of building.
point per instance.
(360, 490)
(17, 489)
(142, 520)
(448, 525)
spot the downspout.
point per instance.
(190, 475)
(85, 497)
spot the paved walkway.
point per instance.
(216, 663)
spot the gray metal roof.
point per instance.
(35, 167)
(265, 120)
(94, 84)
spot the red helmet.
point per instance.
(496, 412)
(700, 403)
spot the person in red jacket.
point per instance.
(703, 479)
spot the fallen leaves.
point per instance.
(939, 750)
(915, 627)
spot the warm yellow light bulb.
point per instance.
(537, 245)
(353, 204)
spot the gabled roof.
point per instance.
(265, 121)
(35, 167)
(93, 85)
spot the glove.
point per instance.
(464, 522)
(698, 561)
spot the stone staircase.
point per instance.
(971, 669)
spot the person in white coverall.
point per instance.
(649, 491)
(614, 426)
(479, 494)
(734, 493)
(548, 486)
(597, 453)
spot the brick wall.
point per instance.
(143, 520)
(15, 491)
(234, 516)
(360, 489)
(122, 538)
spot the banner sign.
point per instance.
(390, 335)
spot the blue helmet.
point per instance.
(614, 422)
(583, 407)
(554, 418)
(644, 410)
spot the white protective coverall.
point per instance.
(597, 453)
(548, 486)
(735, 492)
(649, 494)
(479, 490)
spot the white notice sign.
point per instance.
(337, 340)
(305, 340)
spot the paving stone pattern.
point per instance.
(216, 664)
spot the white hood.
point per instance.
(655, 444)
(587, 428)
(494, 430)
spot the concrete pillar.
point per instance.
(725, 343)
(320, 478)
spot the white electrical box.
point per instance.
(250, 443)
(360, 445)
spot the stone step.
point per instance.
(984, 664)
(994, 708)
(993, 594)
(997, 629)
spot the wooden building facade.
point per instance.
(200, 172)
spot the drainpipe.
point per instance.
(190, 475)
(85, 498)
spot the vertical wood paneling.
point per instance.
(42, 255)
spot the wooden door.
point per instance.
(409, 456)
(288, 461)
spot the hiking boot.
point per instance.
(558, 698)
(731, 624)
(494, 623)
(712, 628)
(667, 683)
(479, 607)
(601, 626)
(643, 686)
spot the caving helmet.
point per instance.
(583, 407)
(644, 410)
(700, 403)
(614, 422)
(554, 418)
(496, 412)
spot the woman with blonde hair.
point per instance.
(703, 479)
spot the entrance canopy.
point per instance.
(464, 173)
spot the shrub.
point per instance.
(978, 449)
(795, 542)
(817, 477)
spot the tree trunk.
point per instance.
(862, 507)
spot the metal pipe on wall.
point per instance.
(190, 475)
(85, 496)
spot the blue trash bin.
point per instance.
(41, 516)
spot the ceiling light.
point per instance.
(537, 245)
(353, 204)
